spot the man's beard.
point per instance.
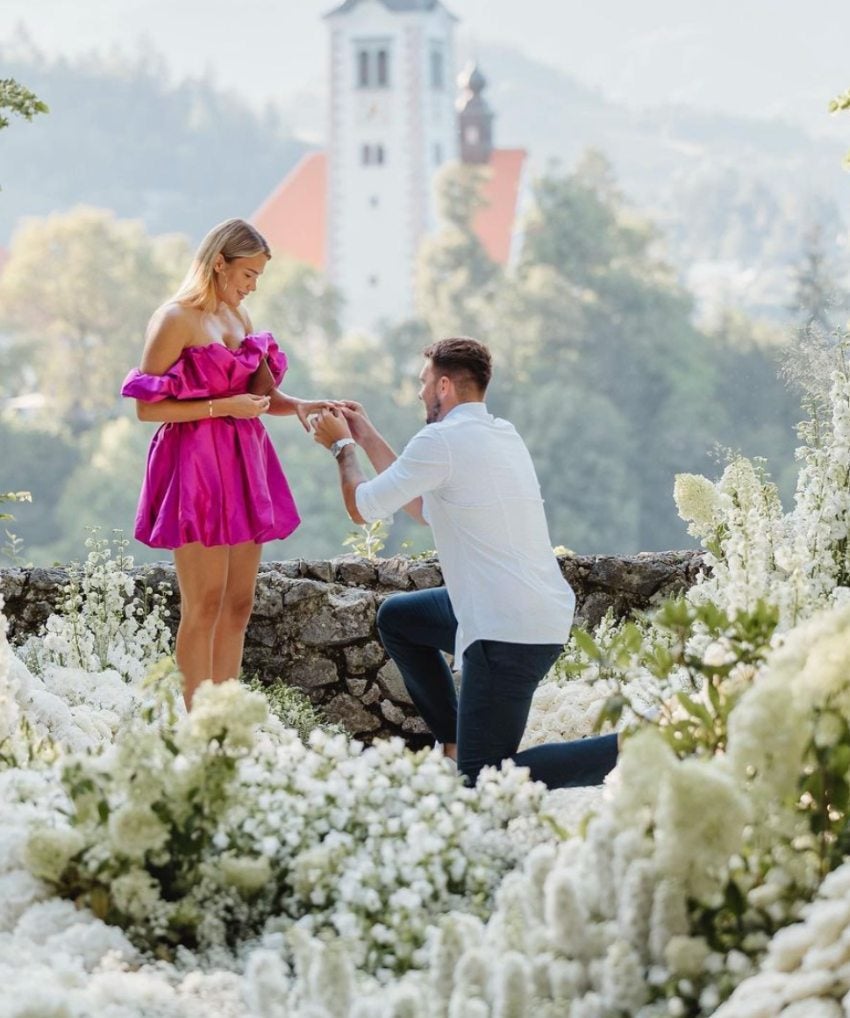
(432, 412)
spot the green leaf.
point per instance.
(587, 645)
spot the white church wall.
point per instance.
(388, 130)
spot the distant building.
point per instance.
(359, 210)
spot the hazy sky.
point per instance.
(758, 57)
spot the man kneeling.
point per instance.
(505, 611)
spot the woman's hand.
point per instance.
(329, 426)
(306, 408)
(243, 406)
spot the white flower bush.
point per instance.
(101, 625)
(154, 863)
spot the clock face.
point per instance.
(372, 112)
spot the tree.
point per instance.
(841, 102)
(817, 296)
(19, 101)
(76, 294)
(456, 280)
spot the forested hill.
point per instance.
(123, 135)
(735, 197)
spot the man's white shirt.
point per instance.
(482, 499)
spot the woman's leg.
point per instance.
(236, 608)
(202, 578)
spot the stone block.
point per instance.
(392, 684)
(357, 687)
(415, 726)
(345, 710)
(393, 572)
(311, 672)
(364, 657)
(341, 618)
(355, 570)
(395, 715)
(425, 575)
(303, 590)
(319, 569)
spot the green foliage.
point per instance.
(123, 134)
(841, 102)
(369, 540)
(13, 545)
(13, 496)
(694, 719)
(76, 295)
(19, 101)
(292, 707)
(598, 362)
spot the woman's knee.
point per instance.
(203, 610)
(236, 612)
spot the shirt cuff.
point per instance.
(366, 504)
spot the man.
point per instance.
(505, 611)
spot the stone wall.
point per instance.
(314, 622)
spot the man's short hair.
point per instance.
(464, 360)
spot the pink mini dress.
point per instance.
(216, 480)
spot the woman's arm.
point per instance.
(283, 406)
(178, 411)
(167, 335)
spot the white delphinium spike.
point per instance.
(698, 503)
(635, 911)
(405, 1002)
(566, 980)
(623, 986)
(669, 916)
(589, 1006)
(691, 845)
(267, 985)
(332, 979)
(511, 925)
(471, 977)
(511, 987)
(468, 1007)
(566, 917)
(456, 933)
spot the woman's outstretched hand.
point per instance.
(306, 408)
(329, 426)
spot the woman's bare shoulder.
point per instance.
(171, 328)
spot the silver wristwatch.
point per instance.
(337, 446)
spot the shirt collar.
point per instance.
(475, 409)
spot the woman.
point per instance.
(214, 490)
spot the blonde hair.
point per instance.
(234, 238)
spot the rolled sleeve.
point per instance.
(424, 465)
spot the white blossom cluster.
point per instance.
(100, 624)
(806, 973)
(369, 844)
(799, 561)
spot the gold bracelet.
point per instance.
(210, 403)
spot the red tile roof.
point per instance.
(494, 224)
(293, 219)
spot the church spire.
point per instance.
(475, 118)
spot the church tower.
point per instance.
(474, 118)
(392, 125)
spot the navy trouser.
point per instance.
(498, 680)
